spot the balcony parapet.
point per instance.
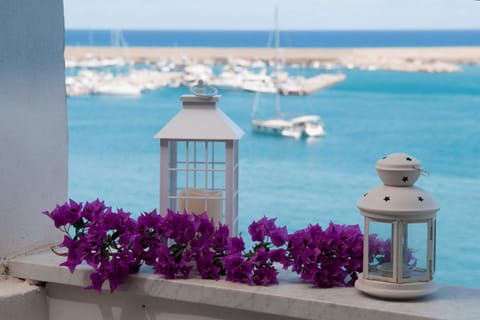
(226, 300)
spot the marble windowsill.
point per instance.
(291, 298)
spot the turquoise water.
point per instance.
(288, 38)
(433, 117)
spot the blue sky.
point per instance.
(258, 14)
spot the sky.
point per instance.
(258, 14)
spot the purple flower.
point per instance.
(329, 257)
(280, 256)
(93, 248)
(220, 237)
(279, 236)
(207, 268)
(184, 269)
(97, 278)
(265, 276)
(235, 245)
(238, 269)
(179, 226)
(204, 225)
(118, 270)
(74, 257)
(260, 257)
(261, 228)
(164, 263)
(68, 213)
(115, 245)
(93, 210)
(148, 236)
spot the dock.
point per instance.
(311, 85)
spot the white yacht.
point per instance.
(297, 127)
(277, 126)
(309, 125)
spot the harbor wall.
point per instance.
(288, 55)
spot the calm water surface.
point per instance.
(433, 117)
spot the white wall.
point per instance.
(75, 303)
(33, 123)
(22, 301)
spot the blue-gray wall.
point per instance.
(33, 122)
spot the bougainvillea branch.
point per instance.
(116, 245)
(327, 258)
(99, 236)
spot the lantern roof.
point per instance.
(398, 197)
(398, 161)
(395, 202)
(399, 169)
(200, 119)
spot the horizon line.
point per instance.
(268, 30)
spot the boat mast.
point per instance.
(277, 62)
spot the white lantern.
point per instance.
(199, 159)
(399, 241)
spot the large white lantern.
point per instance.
(199, 159)
(399, 241)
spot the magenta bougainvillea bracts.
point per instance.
(116, 245)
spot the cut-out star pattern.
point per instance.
(420, 198)
(408, 159)
(405, 179)
(386, 199)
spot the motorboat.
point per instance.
(309, 125)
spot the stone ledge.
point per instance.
(291, 298)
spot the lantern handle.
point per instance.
(423, 172)
(200, 90)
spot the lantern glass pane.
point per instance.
(217, 152)
(197, 177)
(218, 179)
(198, 155)
(180, 149)
(414, 251)
(199, 165)
(380, 249)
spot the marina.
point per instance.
(133, 70)
(112, 76)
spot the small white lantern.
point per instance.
(399, 241)
(199, 159)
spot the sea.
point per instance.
(432, 117)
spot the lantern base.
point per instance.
(399, 291)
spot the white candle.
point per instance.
(197, 201)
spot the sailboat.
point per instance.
(297, 127)
(118, 85)
(276, 125)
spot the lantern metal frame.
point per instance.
(199, 160)
(400, 206)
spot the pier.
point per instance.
(311, 85)
(453, 55)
